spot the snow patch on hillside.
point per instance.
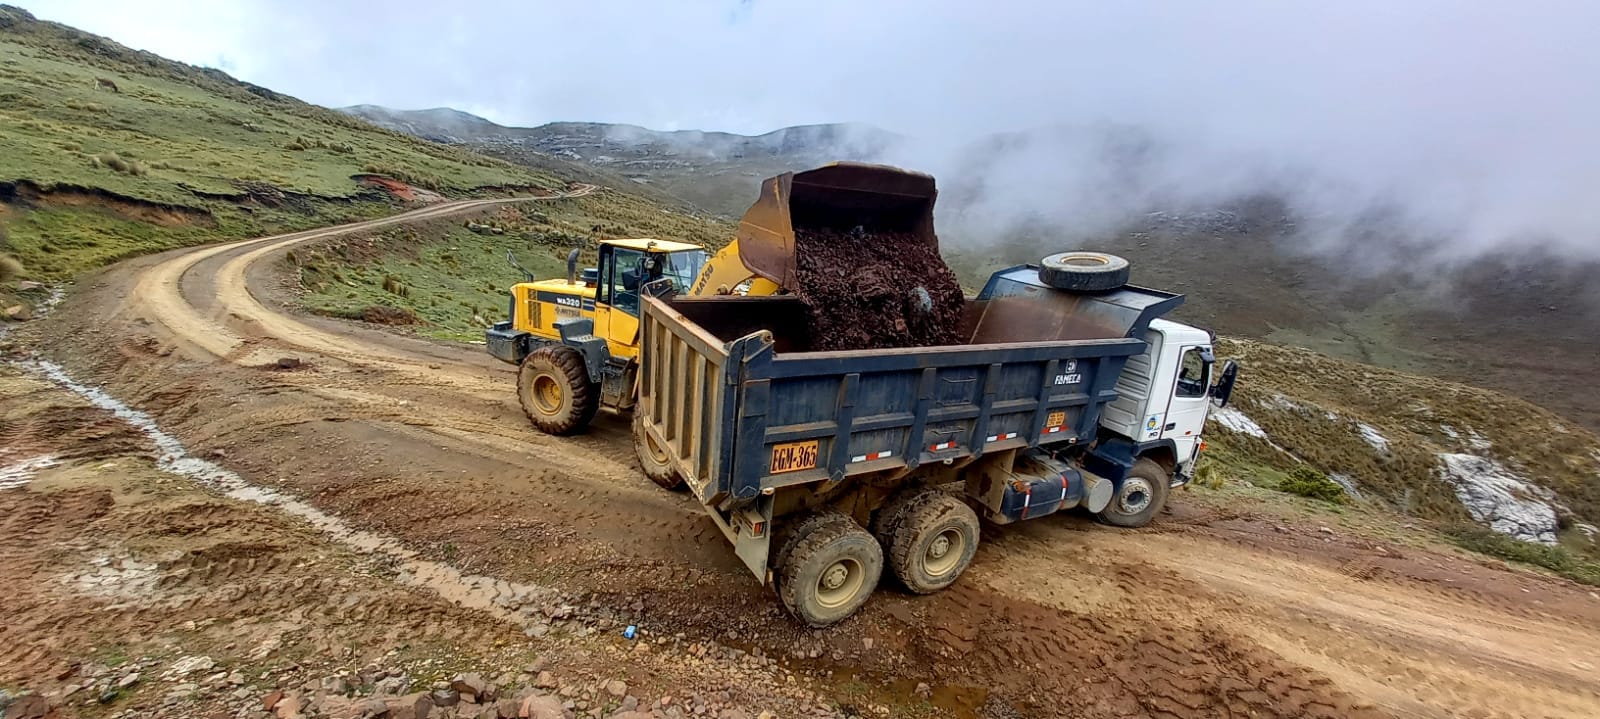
(1234, 420)
(1470, 437)
(21, 472)
(1373, 437)
(1500, 498)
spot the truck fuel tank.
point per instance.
(1034, 485)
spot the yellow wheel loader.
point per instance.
(577, 339)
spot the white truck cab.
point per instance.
(1164, 394)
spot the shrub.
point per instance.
(10, 268)
(1307, 481)
(1207, 474)
(1555, 558)
(394, 286)
(118, 163)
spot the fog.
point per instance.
(1468, 127)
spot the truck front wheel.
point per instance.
(555, 390)
(829, 572)
(1140, 498)
(933, 542)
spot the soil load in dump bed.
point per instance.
(876, 290)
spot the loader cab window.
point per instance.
(622, 276)
(683, 268)
(1194, 372)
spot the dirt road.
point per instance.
(1212, 612)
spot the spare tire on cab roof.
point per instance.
(1083, 271)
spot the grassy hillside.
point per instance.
(1412, 445)
(111, 152)
(447, 279)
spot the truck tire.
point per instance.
(933, 543)
(888, 517)
(1140, 497)
(1083, 271)
(828, 574)
(653, 459)
(790, 533)
(555, 390)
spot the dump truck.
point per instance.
(825, 469)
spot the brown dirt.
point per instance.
(382, 315)
(862, 289)
(28, 194)
(1212, 612)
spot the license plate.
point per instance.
(794, 456)
(1056, 419)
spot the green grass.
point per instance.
(446, 274)
(1308, 482)
(190, 131)
(1558, 559)
(181, 155)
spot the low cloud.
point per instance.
(1457, 128)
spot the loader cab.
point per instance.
(1164, 394)
(624, 268)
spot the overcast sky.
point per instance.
(1482, 116)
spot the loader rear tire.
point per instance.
(1083, 271)
(1139, 498)
(933, 543)
(555, 390)
(829, 573)
(654, 459)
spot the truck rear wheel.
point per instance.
(933, 542)
(1083, 271)
(825, 575)
(653, 458)
(1140, 497)
(555, 390)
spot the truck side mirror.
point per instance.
(1223, 389)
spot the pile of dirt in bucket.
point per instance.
(876, 290)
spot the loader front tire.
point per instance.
(933, 542)
(653, 458)
(555, 390)
(1139, 498)
(827, 574)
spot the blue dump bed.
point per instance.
(742, 417)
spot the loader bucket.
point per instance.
(842, 195)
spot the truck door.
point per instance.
(1186, 414)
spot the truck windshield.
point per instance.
(682, 268)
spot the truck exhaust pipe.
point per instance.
(572, 267)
